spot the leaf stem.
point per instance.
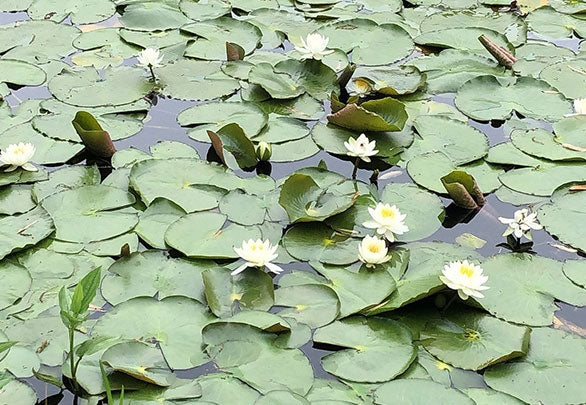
(355, 168)
(71, 360)
(154, 78)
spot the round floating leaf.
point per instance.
(357, 287)
(65, 179)
(223, 389)
(544, 179)
(294, 150)
(314, 305)
(91, 213)
(305, 201)
(473, 340)
(320, 243)
(37, 41)
(120, 122)
(174, 323)
(575, 270)
(374, 349)
(486, 396)
(549, 23)
(253, 358)
(47, 150)
(561, 216)
(428, 169)
(16, 199)
(569, 77)
(282, 129)
(85, 87)
(386, 114)
(445, 72)
(20, 231)
(15, 392)
(213, 35)
(419, 390)
(148, 273)
(457, 140)
(543, 144)
(202, 234)
(507, 154)
(139, 360)
(80, 11)
(21, 73)
(551, 372)
(421, 278)
(484, 98)
(213, 116)
(278, 85)
(534, 56)
(331, 138)
(390, 80)
(16, 282)
(534, 286)
(251, 289)
(281, 398)
(316, 78)
(195, 80)
(371, 44)
(152, 16)
(102, 48)
(194, 185)
(181, 390)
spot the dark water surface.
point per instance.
(161, 124)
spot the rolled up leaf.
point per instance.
(234, 51)
(96, 141)
(386, 114)
(232, 139)
(463, 189)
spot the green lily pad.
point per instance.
(421, 278)
(536, 283)
(152, 16)
(575, 270)
(181, 390)
(320, 243)
(544, 179)
(251, 289)
(21, 73)
(543, 144)
(16, 199)
(484, 98)
(80, 12)
(15, 392)
(202, 235)
(386, 114)
(312, 304)
(91, 213)
(65, 179)
(567, 76)
(534, 56)
(85, 87)
(139, 360)
(373, 349)
(546, 22)
(158, 275)
(16, 282)
(459, 141)
(473, 340)
(414, 390)
(549, 372)
(279, 85)
(391, 80)
(24, 230)
(174, 323)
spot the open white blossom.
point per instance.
(521, 224)
(257, 254)
(18, 155)
(361, 147)
(373, 251)
(150, 57)
(466, 278)
(387, 220)
(314, 46)
(579, 107)
(361, 87)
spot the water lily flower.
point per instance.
(466, 278)
(257, 254)
(18, 155)
(362, 87)
(521, 224)
(387, 220)
(373, 251)
(314, 46)
(150, 57)
(579, 107)
(264, 151)
(362, 147)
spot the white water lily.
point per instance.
(387, 220)
(257, 254)
(466, 278)
(580, 106)
(373, 251)
(314, 46)
(150, 58)
(521, 224)
(18, 155)
(362, 87)
(362, 147)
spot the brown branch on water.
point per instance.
(502, 55)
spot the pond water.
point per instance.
(160, 123)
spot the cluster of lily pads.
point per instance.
(167, 277)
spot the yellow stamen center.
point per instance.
(467, 271)
(387, 212)
(374, 248)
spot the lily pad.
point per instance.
(373, 349)
(312, 304)
(386, 114)
(80, 11)
(413, 390)
(536, 283)
(174, 323)
(20, 231)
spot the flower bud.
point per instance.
(264, 151)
